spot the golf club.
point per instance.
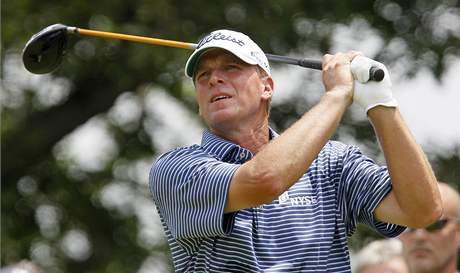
(45, 50)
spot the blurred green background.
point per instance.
(77, 144)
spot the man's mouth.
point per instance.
(420, 251)
(219, 98)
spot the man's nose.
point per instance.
(419, 233)
(216, 77)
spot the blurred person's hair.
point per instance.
(377, 252)
(452, 191)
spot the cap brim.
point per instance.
(196, 55)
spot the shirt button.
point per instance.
(242, 155)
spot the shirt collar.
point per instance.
(227, 150)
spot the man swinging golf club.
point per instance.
(248, 199)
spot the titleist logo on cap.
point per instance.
(219, 36)
(258, 57)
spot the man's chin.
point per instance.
(420, 261)
(220, 118)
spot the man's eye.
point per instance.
(201, 74)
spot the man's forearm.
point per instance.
(288, 157)
(414, 183)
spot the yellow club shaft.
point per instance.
(133, 38)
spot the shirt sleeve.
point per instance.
(190, 190)
(364, 184)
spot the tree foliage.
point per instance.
(36, 182)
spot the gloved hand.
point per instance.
(370, 94)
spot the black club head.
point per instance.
(44, 51)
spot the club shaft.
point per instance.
(376, 74)
(132, 38)
(308, 63)
(155, 41)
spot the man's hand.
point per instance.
(370, 94)
(337, 76)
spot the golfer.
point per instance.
(248, 199)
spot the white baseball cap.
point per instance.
(236, 42)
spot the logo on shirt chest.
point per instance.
(302, 200)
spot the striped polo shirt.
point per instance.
(304, 230)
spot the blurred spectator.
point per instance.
(22, 267)
(435, 248)
(380, 256)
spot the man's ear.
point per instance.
(268, 88)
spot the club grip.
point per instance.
(309, 63)
(375, 73)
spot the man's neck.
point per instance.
(450, 267)
(253, 138)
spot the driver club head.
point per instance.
(44, 51)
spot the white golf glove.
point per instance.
(370, 94)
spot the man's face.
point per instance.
(230, 92)
(433, 251)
